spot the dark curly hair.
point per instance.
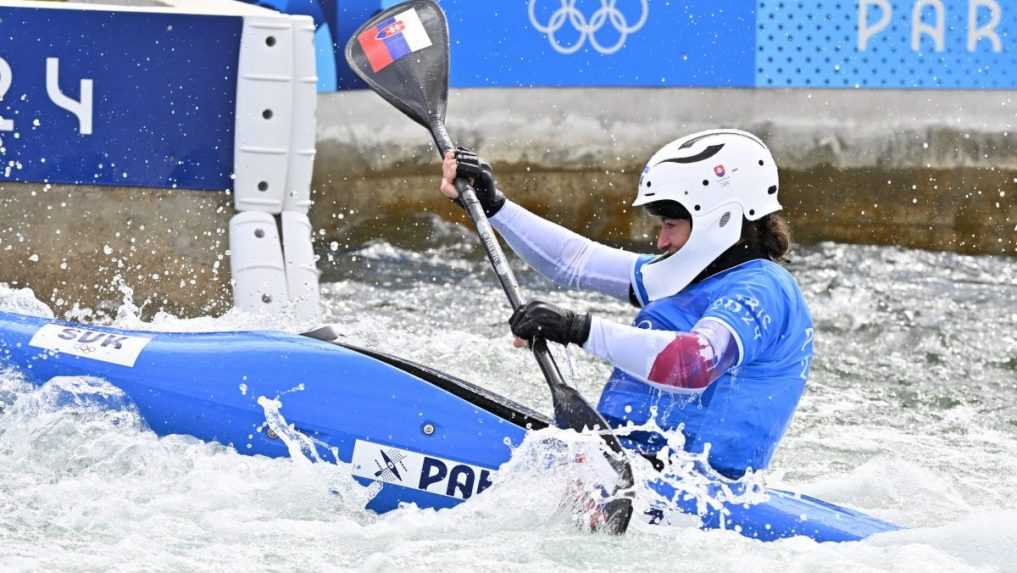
(770, 236)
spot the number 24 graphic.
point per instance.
(81, 109)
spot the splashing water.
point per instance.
(910, 415)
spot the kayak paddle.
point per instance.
(402, 53)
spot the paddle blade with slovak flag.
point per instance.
(402, 54)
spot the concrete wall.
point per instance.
(933, 170)
(927, 169)
(83, 246)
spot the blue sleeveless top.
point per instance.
(744, 413)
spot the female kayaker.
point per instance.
(721, 346)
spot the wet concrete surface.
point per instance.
(84, 249)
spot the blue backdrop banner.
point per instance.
(698, 43)
(964, 44)
(930, 44)
(117, 98)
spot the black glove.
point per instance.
(538, 318)
(480, 175)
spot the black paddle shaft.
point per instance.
(571, 410)
(569, 414)
(476, 212)
(416, 83)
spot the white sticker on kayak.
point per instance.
(419, 471)
(105, 346)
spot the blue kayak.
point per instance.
(427, 437)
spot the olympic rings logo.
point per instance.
(588, 28)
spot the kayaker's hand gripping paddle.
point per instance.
(403, 55)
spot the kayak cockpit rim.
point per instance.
(484, 399)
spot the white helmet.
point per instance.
(719, 177)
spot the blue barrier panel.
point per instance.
(887, 44)
(965, 44)
(602, 43)
(708, 43)
(163, 97)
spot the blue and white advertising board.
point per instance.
(899, 44)
(95, 97)
(904, 44)
(702, 43)
(964, 44)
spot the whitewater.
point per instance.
(910, 415)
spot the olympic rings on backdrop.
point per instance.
(588, 27)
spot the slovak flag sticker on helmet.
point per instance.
(393, 38)
(720, 170)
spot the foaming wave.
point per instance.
(987, 539)
(86, 484)
(129, 315)
(23, 301)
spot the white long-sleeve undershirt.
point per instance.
(671, 360)
(565, 257)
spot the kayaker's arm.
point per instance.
(566, 258)
(672, 361)
(563, 256)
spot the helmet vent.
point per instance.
(761, 162)
(725, 219)
(706, 182)
(649, 183)
(752, 212)
(772, 189)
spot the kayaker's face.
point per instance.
(674, 233)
